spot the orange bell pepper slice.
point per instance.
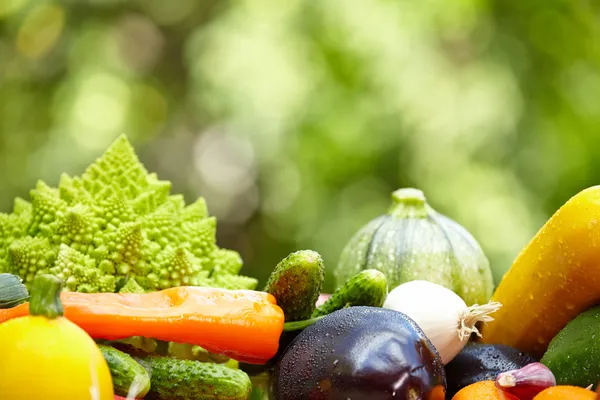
(241, 324)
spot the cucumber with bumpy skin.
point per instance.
(128, 376)
(174, 379)
(296, 284)
(367, 288)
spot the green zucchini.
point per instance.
(296, 284)
(412, 241)
(175, 379)
(573, 353)
(367, 288)
(12, 291)
(128, 376)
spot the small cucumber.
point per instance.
(174, 379)
(573, 353)
(296, 284)
(367, 288)
(12, 291)
(128, 376)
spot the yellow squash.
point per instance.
(45, 356)
(554, 278)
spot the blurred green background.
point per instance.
(296, 119)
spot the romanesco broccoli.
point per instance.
(114, 223)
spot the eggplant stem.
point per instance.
(298, 325)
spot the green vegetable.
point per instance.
(132, 287)
(114, 223)
(175, 379)
(12, 291)
(185, 351)
(414, 242)
(145, 344)
(296, 284)
(367, 288)
(573, 353)
(128, 376)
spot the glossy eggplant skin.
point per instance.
(481, 362)
(360, 353)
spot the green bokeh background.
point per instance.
(297, 119)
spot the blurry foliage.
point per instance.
(297, 119)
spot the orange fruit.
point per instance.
(564, 392)
(484, 390)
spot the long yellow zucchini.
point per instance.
(554, 278)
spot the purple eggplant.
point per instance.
(360, 353)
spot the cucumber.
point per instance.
(367, 288)
(128, 376)
(573, 353)
(12, 291)
(296, 284)
(174, 379)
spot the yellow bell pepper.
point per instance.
(45, 356)
(553, 279)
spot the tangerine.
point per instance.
(565, 392)
(484, 390)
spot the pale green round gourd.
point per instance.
(413, 241)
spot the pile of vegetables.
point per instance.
(114, 288)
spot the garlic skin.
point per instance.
(527, 382)
(443, 316)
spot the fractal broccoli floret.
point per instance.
(29, 255)
(79, 272)
(131, 286)
(116, 223)
(226, 262)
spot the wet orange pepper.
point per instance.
(242, 324)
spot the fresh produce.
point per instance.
(323, 297)
(186, 351)
(412, 241)
(12, 291)
(46, 356)
(564, 392)
(244, 325)
(296, 284)
(174, 379)
(574, 353)
(113, 223)
(360, 353)
(129, 378)
(483, 390)
(482, 362)
(527, 382)
(554, 278)
(131, 286)
(367, 288)
(444, 317)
